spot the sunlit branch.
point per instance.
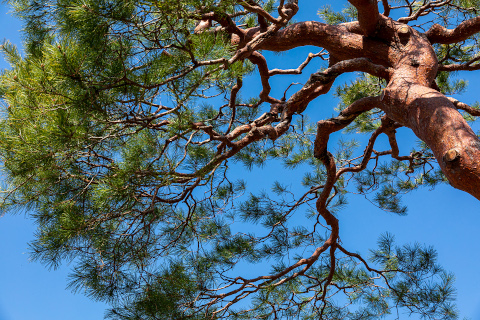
(251, 6)
(338, 40)
(232, 102)
(225, 21)
(259, 60)
(466, 29)
(460, 67)
(320, 82)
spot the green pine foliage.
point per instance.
(349, 13)
(363, 86)
(110, 136)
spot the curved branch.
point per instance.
(367, 153)
(368, 15)
(260, 61)
(466, 29)
(390, 131)
(321, 206)
(241, 292)
(225, 21)
(336, 39)
(255, 8)
(300, 67)
(320, 82)
(347, 116)
(232, 103)
(423, 10)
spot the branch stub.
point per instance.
(451, 155)
(403, 31)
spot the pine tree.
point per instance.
(126, 122)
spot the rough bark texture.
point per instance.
(410, 65)
(148, 182)
(380, 46)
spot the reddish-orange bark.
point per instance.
(409, 64)
(383, 47)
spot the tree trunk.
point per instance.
(434, 119)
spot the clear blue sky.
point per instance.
(444, 217)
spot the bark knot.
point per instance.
(451, 155)
(403, 31)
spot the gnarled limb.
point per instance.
(368, 15)
(259, 60)
(338, 40)
(439, 34)
(252, 6)
(460, 67)
(320, 82)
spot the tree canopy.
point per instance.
(126, 126)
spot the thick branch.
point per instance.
(318, 84)
(435, 120)
(459, 67)
(439, 34)
(323, 80)
(336, 39)
(386, 8)
(368, 15)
